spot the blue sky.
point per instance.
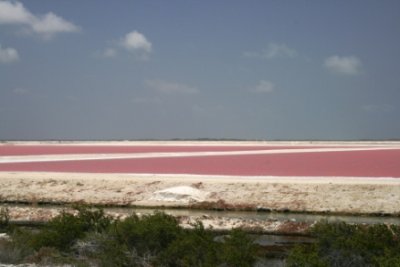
(199, 69)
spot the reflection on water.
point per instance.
(281, 240)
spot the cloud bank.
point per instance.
(350, 65)
(14, 13)
(8, 55)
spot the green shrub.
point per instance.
(63, 230)
(341, 244)
(151, 233)
(93, 219)
(239, 249)
(4, 219)
(110, 252)
(134, 241)
(61, 233)
(90, 238)
(12, 253)
(305, 256)
(193, 248)
(388, 261)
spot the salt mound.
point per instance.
(180, 193)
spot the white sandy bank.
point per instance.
(316, 194)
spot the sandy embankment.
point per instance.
(300, 194)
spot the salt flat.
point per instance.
(224, 188)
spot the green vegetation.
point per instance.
(341, 244)
(4, 219)
(65, 229)
(90, 238)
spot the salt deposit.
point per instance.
(184, 194)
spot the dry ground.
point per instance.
(300, 194)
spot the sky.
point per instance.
(268, 69)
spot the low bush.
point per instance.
(305, 256)
(192, 248)
(150, 233)
(341, 244)
(4, 219)
(239, 249)
(158, 240)
(12, 253)
(105, 250)
(62, 231)
(90, 238)
(93, 220)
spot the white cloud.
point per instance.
(50, 24)
(171, 87)
(109, 52)
(273, 50)
(350, 65)
(14, 13)
(8, 55)
(264, 87)
(135, 41)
